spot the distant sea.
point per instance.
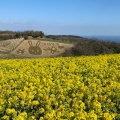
(105, 38)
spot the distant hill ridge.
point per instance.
(89, 46)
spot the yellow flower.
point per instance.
(107, 116)
(5, 117)
(71, 114)
(22, 103)
(58, 114)
(41, 110)
(1, 108)
(32, 117)
(10, 111)
(92, 115)
(35, 103)
(20, 118)
(47, 116)
(41, 118)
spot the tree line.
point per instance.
(5, 35)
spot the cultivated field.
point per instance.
(71, 88)
(33, 48)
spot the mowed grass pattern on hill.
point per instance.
(34, 48)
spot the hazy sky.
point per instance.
(71, 17)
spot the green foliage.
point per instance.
(5, 35)
(84, 46)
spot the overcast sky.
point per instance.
(68, 17)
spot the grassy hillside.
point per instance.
(71, 88)
(34, 48)
(51, 40)
(84, 46)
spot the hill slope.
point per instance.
(85, 46)
(33, 48)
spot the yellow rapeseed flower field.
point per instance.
(70, 88)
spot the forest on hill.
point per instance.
(5, 35)
(83, 46)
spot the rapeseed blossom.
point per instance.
(70, 88)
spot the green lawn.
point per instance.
(51, 40)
